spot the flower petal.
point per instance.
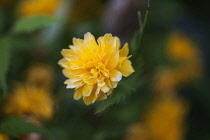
(76, 84)
(65, 52)
(97, 90)
(90, 81)
(78, 93)
(71, 73)
(115, 75)
(64, 63)
(109, 92)
(90, 41)
(90, 99)
(108, 44)
(124, 51)
(77, 42)
(126, 68)
(75, 79)
(108, 82)
(105, 88)
(114, 84)
(87, 89)
(101, 84)
(102, 96)
(112, 60)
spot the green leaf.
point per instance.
(30, 24)
(5, 45)
(116, 97)
(15, 126)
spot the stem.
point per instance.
(139, 18)
(141, 32)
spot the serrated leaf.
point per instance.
(16, 126)
(112, 99)
(5, 45)
(30, 24)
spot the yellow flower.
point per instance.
(165, 120)
(94, 69)
(183, 51)
(41, 76)
(37, 7)
(3, 137)
(180, 47)
(29, 101)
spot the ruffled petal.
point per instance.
(112, 60)
(105, 88)
(124, 51)
(78, 93)
(109, 92)
(90, 99)
(102, 96)
(115, 75)
(64, 63)
(87, 89)
(126, 68)
(76, 84)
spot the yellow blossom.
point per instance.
(29, 101)
(41, 76)
(183, 51)
(37, 7)
(94, 68)
(165, 119)
(3, 137)
(180, 47)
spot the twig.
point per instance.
(144, 24)
(139, 19)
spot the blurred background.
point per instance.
(167, 98)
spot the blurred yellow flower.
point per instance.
(3, 137)
(37, 7)
(165, 120)
(41, 76)
(29, 101)
(94, 69)
(185, 53)
(180, 47)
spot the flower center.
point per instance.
(99, 71)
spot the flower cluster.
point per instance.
(94, 68)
